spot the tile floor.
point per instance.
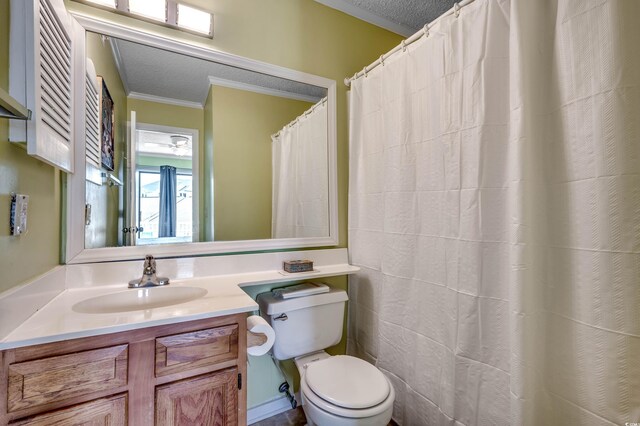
(291, 418)
(288, 418)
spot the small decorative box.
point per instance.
(298, 265)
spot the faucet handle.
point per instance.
(149, 265)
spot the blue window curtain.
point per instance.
(167, 225)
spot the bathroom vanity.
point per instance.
(176, 374)
(76, 345)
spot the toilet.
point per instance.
(336, 390)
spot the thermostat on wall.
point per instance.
(18, 216)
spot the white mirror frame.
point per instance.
(74, 239)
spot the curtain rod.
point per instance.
(304, 114)
(455, 10)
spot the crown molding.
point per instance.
(163, 100)
(216, 81)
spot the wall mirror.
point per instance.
(194, 151)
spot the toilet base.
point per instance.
(318, 417)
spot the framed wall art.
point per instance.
(107, 127)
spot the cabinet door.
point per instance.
(202, 348)
(42, 77)
(210, 400)
(46, 380)
(107, 411)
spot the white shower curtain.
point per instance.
(494, 210)
(300, 206)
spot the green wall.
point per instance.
(243, 123)
(37, 251)
(206, 207)
(167, 115)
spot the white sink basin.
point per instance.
(138, 299)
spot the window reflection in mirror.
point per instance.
(164, 190)
(241, 155)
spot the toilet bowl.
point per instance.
(338, 390)
(343, 390)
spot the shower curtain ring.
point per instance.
(382, 60)
(404, 47)
(456, 8)
(366, 73)
(426, 30)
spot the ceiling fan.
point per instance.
(180, 145)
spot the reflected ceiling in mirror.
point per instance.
(169, 75)
(234, 157)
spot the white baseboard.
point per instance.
(269, 409)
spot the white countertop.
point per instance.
(57, 320)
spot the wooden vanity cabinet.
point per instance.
(203, 400)
(179, 374)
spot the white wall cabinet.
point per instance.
(43, 68)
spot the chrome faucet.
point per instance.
(149, 277)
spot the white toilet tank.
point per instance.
(304, 324)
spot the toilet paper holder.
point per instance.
(260, 336)
(255, 339)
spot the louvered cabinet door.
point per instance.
(92, 116)
(43, 63)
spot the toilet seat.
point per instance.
(347, 386)
(347, 381)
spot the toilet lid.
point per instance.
(347, 382)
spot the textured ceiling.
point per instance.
(156, 72)
(400, 16)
